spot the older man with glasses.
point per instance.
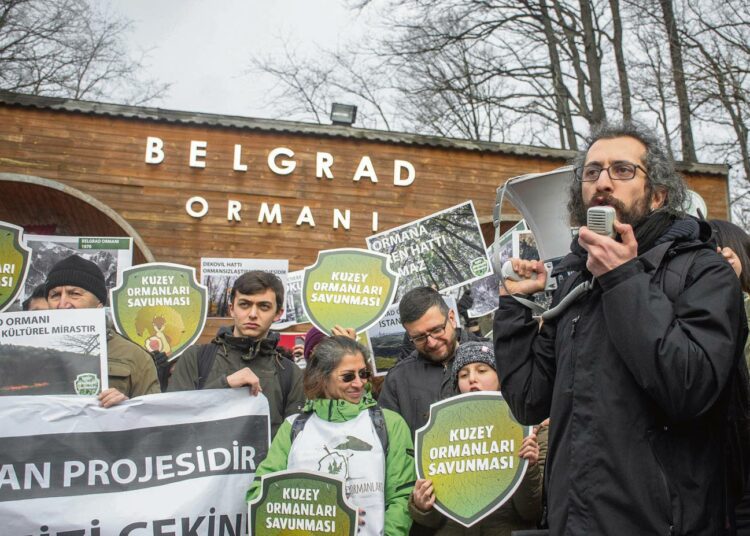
(634, 374)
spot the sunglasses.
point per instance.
(349, 377)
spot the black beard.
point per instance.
(438, 361)
(632, 216)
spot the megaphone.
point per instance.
(541, 198)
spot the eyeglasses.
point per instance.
(348, 377)
(434, 333)
(620, 171)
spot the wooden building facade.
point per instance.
(189, 185)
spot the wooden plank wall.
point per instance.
(103, 156)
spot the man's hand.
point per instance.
(339, 331)
(111, 397)
(423, 495)
(605, 253)
(525, 269)
(243, 377)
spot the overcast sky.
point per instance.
(203, 48)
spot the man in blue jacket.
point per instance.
(632, 377)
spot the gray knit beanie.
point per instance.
(77, 272)
(472, 352)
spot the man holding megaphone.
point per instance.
(632, 371)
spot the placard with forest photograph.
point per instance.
(443, 250)
(218, 276)
(53, 352)
(485, 291)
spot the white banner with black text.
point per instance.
(168, 464)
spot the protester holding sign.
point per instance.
(76, 283)
(342, 432)
(474, 370)
(245, 356)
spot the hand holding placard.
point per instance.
(469, 451)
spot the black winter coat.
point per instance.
(632, 384)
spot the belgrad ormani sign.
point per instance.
(281, 162)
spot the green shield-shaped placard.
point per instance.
(160, 306)
(469, 449)
(349, 287)
(14, 263)
(302, 503)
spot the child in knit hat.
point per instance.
(474, 369)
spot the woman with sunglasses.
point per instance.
(341, 433)
(474, 370)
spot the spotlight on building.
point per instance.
(343, 114)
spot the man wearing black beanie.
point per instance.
(76, 283)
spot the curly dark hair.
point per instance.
(660, 169)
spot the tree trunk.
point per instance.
(593, 62)
(678, 74)
(622, 70)
(575, 60)
(562, 105)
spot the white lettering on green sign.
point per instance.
(474, 443)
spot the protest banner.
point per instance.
(386, 337)
(469, 450)
(112, 254)
(14, 263)
(485, 291)
(218, 276)
(173, 463)
(160, 307)
(348, 287)
(294, 308)
(303, 503)
(444, 250)
(53, 352)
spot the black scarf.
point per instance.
(649, 231)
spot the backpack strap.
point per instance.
(286, 377)
(298, 424)
(206, 359)
(378, 420)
